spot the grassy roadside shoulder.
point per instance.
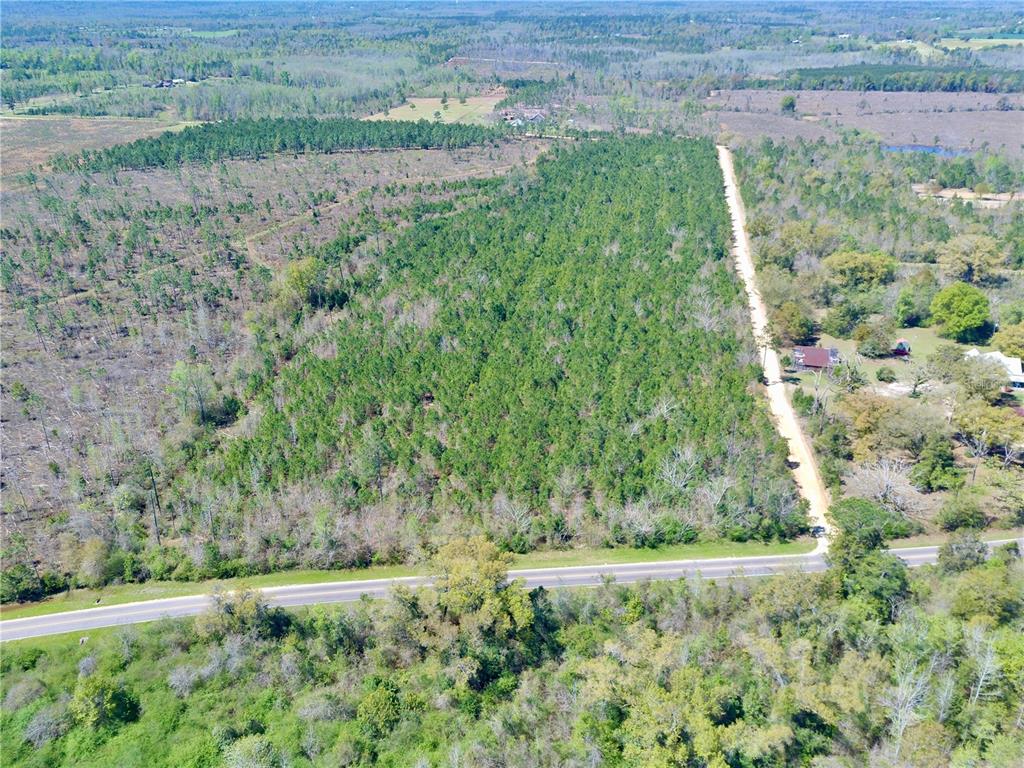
(119, 594)
(937, 539)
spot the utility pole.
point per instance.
(156, 495)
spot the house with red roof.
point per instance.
(815, 358)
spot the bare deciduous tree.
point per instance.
(945, 690)
(512, 517)
(982, 653)
(679, 469)
(886, 481)
(904, 697)
(978, 446)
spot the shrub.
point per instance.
(857, 270)
(874, 339)
(869, 523)
(986, 592)
(48, 724)
(319, 707)
(19, 583)
(23, 693)
(961, 512)
(803, 402)
(381, 709)
(878, 577)
(886, 374)
(913, 305)
(1010, 340)
(254, 751)
(935, 470)
(843, 318)
(101, 702)
(87, 666)
(23, 658)
(182, 680)
(244, 612)
(792, 324)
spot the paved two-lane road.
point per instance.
(350, 591)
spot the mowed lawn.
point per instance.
(923, 343)
(475, 110)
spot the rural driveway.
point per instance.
(805, 468)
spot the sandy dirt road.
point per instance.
(805, 468)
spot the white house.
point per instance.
(1011, 364)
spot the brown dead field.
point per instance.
(861, 102)
(96, 352)
(29, 142)
(751, 127)
(954, 120)
(1002, 132)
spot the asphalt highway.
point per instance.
(351, 591)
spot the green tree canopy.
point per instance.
(962, 312)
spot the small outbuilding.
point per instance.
(815, 358)
(901, 348)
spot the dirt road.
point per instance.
(805, 469)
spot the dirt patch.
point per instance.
(986, 200)
(29, 142)
(751, 126)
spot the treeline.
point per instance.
(867, 664)
(252, 139)
(897, 77)
(530, 92)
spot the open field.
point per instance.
(980, 43)
(925, 50)
(153, 590)
(855, 103)
(955, 120)
(29, 142)
(477, 110)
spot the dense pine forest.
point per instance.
(253, 139)
(560, 364)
